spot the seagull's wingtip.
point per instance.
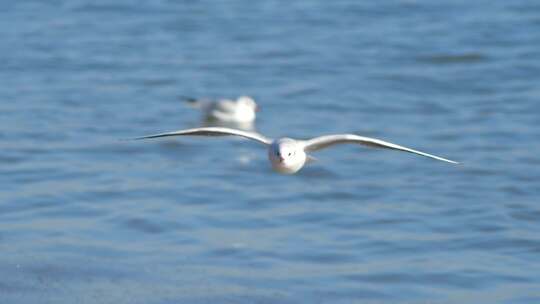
(452, 161)
(133, 138)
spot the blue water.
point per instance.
(86, 217)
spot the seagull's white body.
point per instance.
(288, 155)
(241, 110)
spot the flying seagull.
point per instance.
(287, 155)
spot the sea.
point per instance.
(88, 215)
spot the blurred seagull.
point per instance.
(241, 110)
(287, 155)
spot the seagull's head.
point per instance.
(286, 155)
(247, 102)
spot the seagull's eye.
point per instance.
(289, 153)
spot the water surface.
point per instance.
(88, 218)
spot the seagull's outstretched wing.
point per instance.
(321, 142)
(213, 131)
